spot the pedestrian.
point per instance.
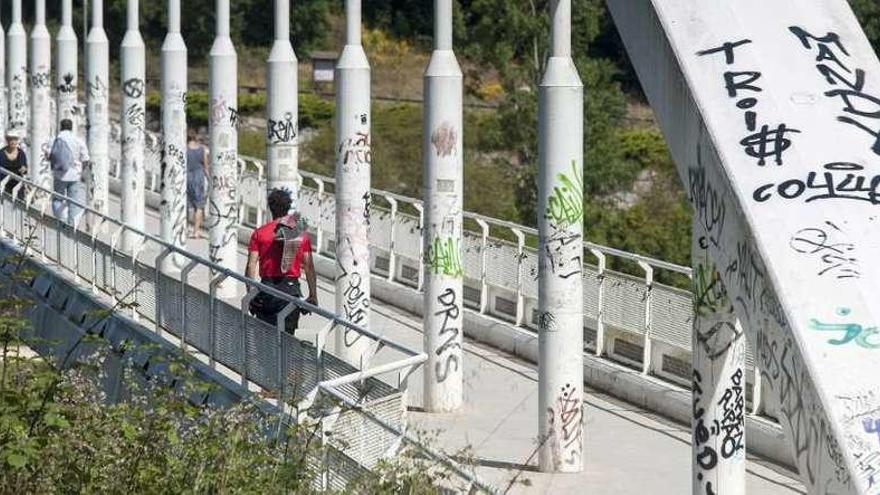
(13, 160)
(282, 249)
(196, 180)
(69, 156)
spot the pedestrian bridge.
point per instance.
(769, 114)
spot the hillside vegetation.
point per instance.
(633, 198)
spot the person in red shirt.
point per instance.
(280, 251)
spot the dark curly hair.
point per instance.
(279, 202)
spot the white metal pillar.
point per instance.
(561, 254)
(133, 126)
(66, 68)
(719, 381)
(282, 132)
(16, 72)
(353, 158)
(442, 160)
(3, 85)
(174, 85)
(41, 95)
(97, 111)
(223, 124)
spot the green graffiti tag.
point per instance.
(709, 293)
(852, 332)
(566, 205)
(444, 257)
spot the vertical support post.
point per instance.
(174, 85)
(66, 68)
(484, 283)
(648, 350)
(443, 163)
(17, 72)
(421, 283)
(560, 225)
(353, 159)
(40, 121)
(757, 393)
(719, 381)
(282, 109)
(97, 109)
(3, 85)
(319, 222)
(223, 127)
(132, 174)
(392, 256)
(600, 313)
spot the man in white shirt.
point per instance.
(69, 155)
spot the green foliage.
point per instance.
(868, 13)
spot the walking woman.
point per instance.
(13, 159)
(196, 181)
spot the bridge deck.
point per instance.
(629, 450)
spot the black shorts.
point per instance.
(266, 306)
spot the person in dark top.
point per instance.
(196, 178)
(280, 251)
(13, 159)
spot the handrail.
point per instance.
(220, 269)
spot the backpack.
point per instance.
(289, 232)
(61, 157)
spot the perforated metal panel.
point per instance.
(198, 332)
(363, 439)
(472, 246)
(530, 273)
(146, 294)
(408, 236)
(380, 228)
(309, 206)
(262, 353)
(625, 302)
(591, 291)
(49, 237)
(671, 316)
(170, 302)
(85, 257)
(227, 322)
(501, 264)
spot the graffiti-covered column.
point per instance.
(560, 225)
(17, 73)
(771, 115)
(282, 108)
(3, 87)
(719, 383)
(66, 66)
(353, 158)
(173, 206)
(442, 160)
(132, 174)
(97, 111)
(41, 95)
(223, 124)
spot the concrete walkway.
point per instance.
(629, 451)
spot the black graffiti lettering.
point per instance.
(281, 131)
(443, 373)
(450, 311)
(849, 98)
(708, 202)
(833, 77)
(726, 48)
(768, 143)
(133, 88)
(734, 86)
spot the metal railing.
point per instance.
(634, 320)
(175, 292)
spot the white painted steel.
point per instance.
(132, 162)
(718, 424)
(41, 95)
(17, 72)
(97, 108)
(353, 159)
(561, 254)
(223, 127)
(282, 131)
(769, 109)
(3, 86)
(442, 159)
(174, 85)
(66, 68)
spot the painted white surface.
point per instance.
(792, 232)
